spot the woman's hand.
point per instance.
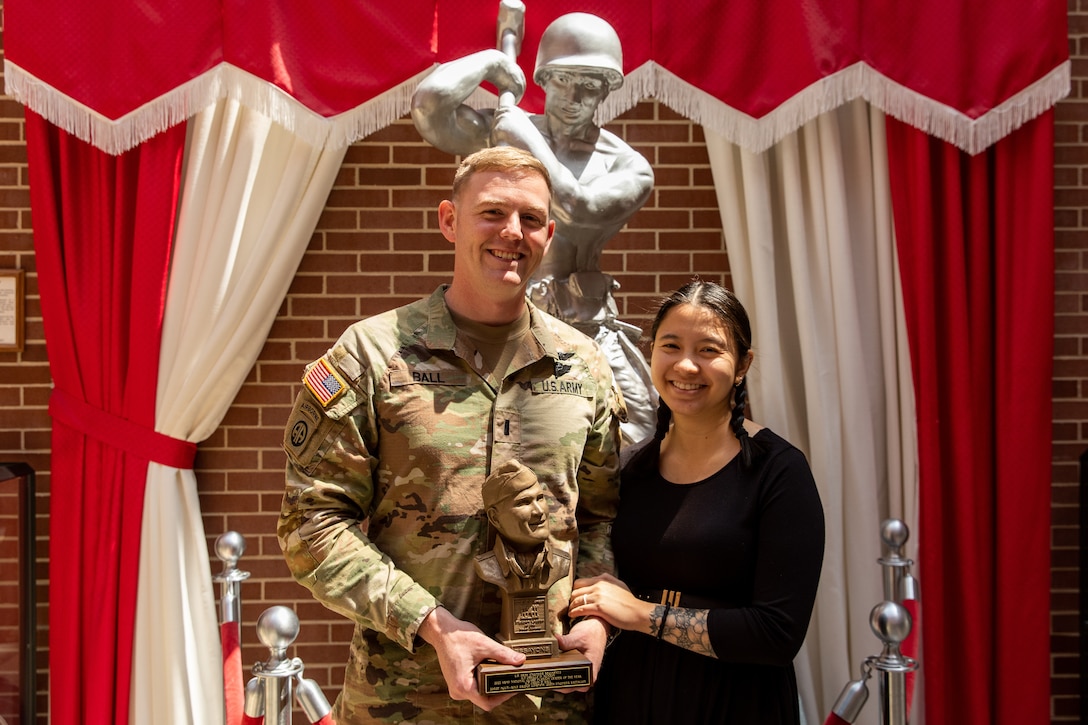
(607, 597)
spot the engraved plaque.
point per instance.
(530, 615)
(565, 670)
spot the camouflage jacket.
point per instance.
(388, 446)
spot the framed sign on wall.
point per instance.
(12, 310)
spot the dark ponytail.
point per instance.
(664, 418)
(736, 422)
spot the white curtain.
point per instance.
(808, 230)
(252, 195)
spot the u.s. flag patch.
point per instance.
(323, 381)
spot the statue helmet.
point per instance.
(580, 41)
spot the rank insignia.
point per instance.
(324, 382)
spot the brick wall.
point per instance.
(377, 246)
(1070, 380)
(24, 377)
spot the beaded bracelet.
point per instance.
(665, 616)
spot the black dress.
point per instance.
(749, 541)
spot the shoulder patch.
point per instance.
(324, 382)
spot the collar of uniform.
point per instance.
(541, 332)
(441, 333)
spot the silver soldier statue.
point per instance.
(599, 181)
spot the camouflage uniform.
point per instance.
(388, 447)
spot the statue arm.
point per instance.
(438, 104)
(609, 199)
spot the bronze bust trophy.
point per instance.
(524, 562)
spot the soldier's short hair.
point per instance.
(506, 159)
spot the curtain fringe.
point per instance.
(755, 135)
(113, 137)
(859, 80)
(952, 126)
(224, 81)
(647, 81)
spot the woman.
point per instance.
(718, 540)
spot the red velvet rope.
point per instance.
(909, 647)
(121, 433)
(233, 687)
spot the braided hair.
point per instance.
(731, 313)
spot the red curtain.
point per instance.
(976, 251)
(102, 232)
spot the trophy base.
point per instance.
(563, 671)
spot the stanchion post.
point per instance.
(277, 628)
(897, 577)
(229, 547)
(891, 623)
(269, 693)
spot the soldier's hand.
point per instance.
(460, 647)
(589, 636)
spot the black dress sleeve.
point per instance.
(788, 558)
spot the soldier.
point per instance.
(599, 181)
(390, 441)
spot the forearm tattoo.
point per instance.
(683, 627)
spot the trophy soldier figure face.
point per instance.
(517, 507)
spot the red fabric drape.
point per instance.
(743, 59)
(114, 57)
(976, 252)
(102, 231)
